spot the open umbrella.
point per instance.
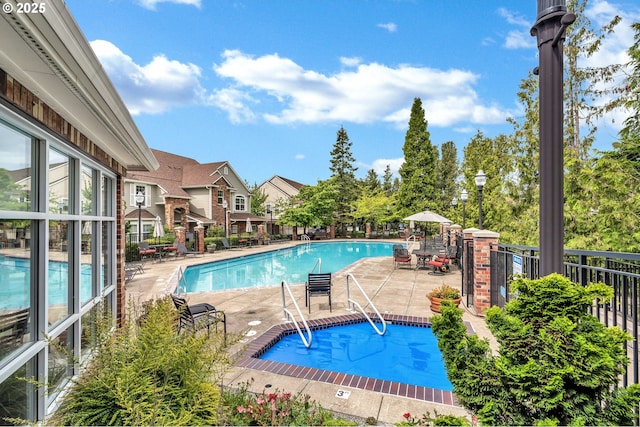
(427, 216)
(158, 229)
(249, 229)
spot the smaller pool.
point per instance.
(405, 354)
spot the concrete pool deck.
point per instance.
(252, 312)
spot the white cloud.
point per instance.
(366, 94)
(519, 40)
(350, 62)
(152, 88)
(379, 165)
(299, 156)
(389, 26)
(513, 18)
(151, 4)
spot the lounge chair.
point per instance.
(197, 316)
(226, 245)
(318, 284)
(401, 256)
(182, 250)
(145, 250)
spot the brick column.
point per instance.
(199, 230)
(482, 241)
(367, 230)
(332, 231)
(180, 234)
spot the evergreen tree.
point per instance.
(447, 170)
(418, 189)
(343, 177)
(371, 183)
(387, 183)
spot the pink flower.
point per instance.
(407, 415)
(241, 409)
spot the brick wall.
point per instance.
(482, 240)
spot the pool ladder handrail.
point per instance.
(317, 264)
(288, 315)
(351, 304)
(305, 237)
(412, 237)
(181, 280)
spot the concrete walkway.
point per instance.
(251, 312)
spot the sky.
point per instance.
(267, 84)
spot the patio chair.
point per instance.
(226, 245)
(182, 250)
(401, 256)
(145, 250)
(197, 316)
(318, 284)
(130, 272)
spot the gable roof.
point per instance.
(176, 173)
(295, 186)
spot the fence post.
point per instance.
(180, 234)
(467, 263)
(482, 241)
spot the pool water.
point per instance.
(271, 268)
(405, 354)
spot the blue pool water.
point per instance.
(271, 268)
(405, 354)
(15, 276)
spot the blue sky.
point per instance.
(266, 84)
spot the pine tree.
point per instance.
(371, 183)
(343, 177)
(387, 183)
(447, 173)
(418, 189)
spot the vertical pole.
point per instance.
(139, 222)
(549, 28)
(464, 215)
(480, 207)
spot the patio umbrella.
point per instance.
(427, 216)
(86, 227)
(249, 229)
(158, 229)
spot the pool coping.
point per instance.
(250, 359)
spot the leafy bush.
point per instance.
(147, 374)
(444, 292)
(557, 364)
(438, 420)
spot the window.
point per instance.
(220, 197)
(240, 206)
(57, 211)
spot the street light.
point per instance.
(463, 197)
(270, 212)
(481, 180)
(224, 206)
(139, 202)
(549, 29)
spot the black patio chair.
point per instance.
(197, 316)
(318, 284)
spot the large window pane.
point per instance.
(86, 266)
(107, 196)
(106, 261)
(86, 190)
(15, 170)
(58, 274)
(60, 363)
(17, 395)
(15, 286)
(59, 182)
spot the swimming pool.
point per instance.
(405, 354)
(271, 268)
(251, 359)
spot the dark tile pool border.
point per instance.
(250, 358)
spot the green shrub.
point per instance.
(148, 374)
(557, 364)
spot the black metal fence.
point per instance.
(619, 270)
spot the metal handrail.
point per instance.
(305, 237)
(317, 264)
(288, 316)
(351, 303)
(181, 280)
(412, 237)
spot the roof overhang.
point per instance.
(49, 55)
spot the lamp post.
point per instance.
(481, 180)
(551, 23)
(139, 202)
(270, 212)
(463, 197)
(224, 206)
